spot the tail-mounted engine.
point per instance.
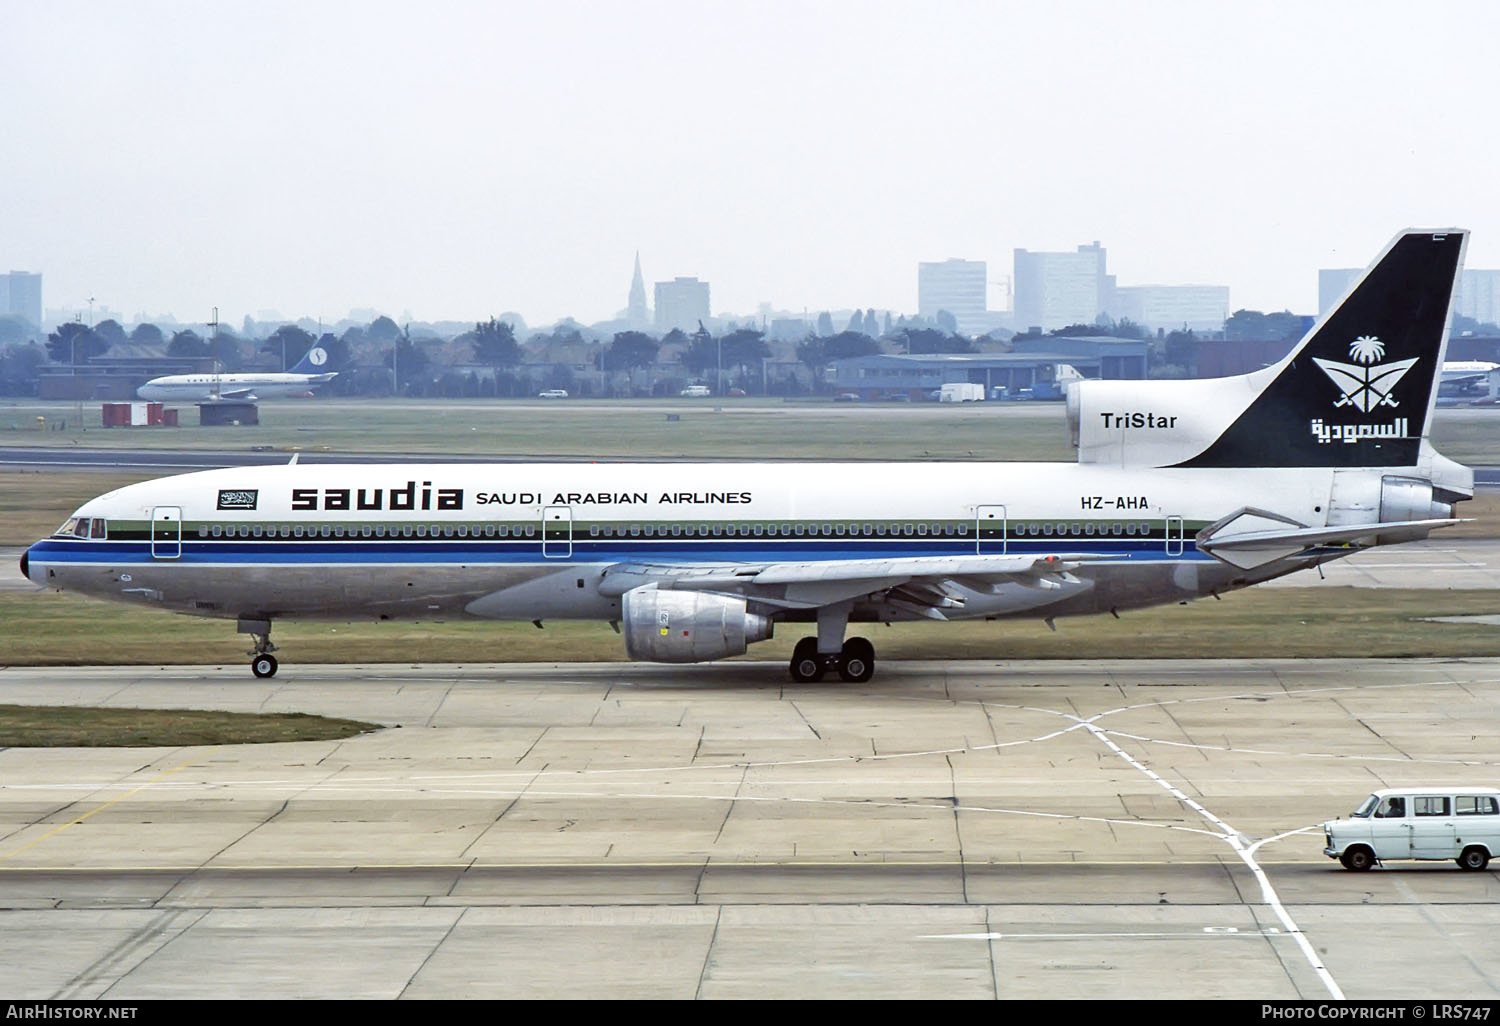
(688, 626)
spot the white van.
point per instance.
(1458, 823)
(695, 391)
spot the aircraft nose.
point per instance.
(25, 562)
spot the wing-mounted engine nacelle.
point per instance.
(688, 626)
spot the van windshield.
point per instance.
(1365, 807)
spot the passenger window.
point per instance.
(1476, 805)
(1430, 806)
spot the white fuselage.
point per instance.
(513, 541)
(212, 387)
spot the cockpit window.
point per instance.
(82, 527)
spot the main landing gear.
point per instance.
(855, 661)
(813, 657)
(262, 663)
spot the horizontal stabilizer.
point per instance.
(1251, 538)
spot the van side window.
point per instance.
(1391, 808)
(1430, 806)
(1476, 805)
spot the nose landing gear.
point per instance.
(262, 663)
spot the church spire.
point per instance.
(636, 312)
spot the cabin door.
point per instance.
(989, 530)
(166, 532)
(557, 532)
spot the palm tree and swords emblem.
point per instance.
(1365, 385)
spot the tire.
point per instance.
(806, 667)
(1358, 859)
(857, 661)
(263, 666)
(1473, 858)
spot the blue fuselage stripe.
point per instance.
(470, 552)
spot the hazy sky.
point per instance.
(463, 159)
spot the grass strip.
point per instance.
(51, 629)
(52, 726)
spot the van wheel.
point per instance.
(1358, 859)
(1473, 858)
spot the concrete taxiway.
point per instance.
(1048, 829)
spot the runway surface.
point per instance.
(1047, 829)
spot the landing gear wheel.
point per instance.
(1473, 858)
(264, 666)
(807, 665)
(857, 661)
(1358, 859)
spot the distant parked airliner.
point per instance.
(300, 380)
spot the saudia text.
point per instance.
(424, 496)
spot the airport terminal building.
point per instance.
(1020, 374)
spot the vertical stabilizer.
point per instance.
(1359, 390)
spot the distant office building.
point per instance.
(21, 296)
(1054, 290)
(1172, 307)
(635, 311)
(958, 286)
(1478, 295)
(788, 329)
(681, 303)
(1333, 282)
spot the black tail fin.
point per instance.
(1359, 390)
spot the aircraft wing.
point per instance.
(237, 394)
(918, 581)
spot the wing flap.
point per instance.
(917, 580)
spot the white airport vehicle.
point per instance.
(1182, 489)
(1432, 823)
(307, 375)
(961, 392)
(553, 393)
(695, 392)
